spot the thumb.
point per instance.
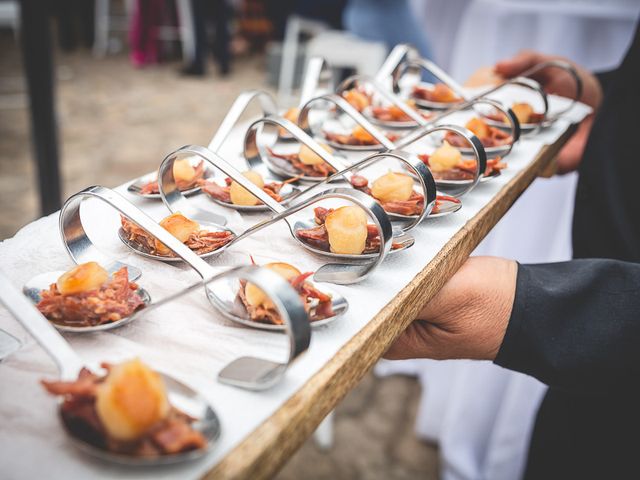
(516, 65)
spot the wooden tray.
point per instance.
(268, 447)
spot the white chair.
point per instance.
(345, 50)
(340, 50)
(295, 27)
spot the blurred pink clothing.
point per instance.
(143, 31)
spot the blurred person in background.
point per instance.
(327, 11)
(75, 20)
(205, 14)
(388, 21)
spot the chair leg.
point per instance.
(101, 39)
(288, 61)
(187, 34)
(323, 436)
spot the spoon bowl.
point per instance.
(33, 290)
(137, 185)
(446, 206)
(403, 239)
(444, 184)
(182, 397)
(288, 193)
(227, 301)
(430, 104)
(138, 249)
(526, 128)
(354, 148)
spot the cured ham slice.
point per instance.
(200, 241)
(318, 236)
(171, 434)
(465, 169)
(115, 299)
(182, 184)
(317, 304)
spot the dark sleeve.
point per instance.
(576, 325)
(605, 78)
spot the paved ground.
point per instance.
(116, 123)
(374, 438)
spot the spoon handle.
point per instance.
(317, 71)
(232, 172)
(349, 110)
(82, 249)
(254, 154)
(571, 70)
(399, 55)
(68, 362)
(391, 98)
(240, 105)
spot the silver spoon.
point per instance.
(76, 241)
(383, 143)
(451, 83)
(415, 117)
(246, 372)
(350, 273)
(430, 127)
(269, 125)
(258, 155)
(69, 365)
(139, 183)
(549, 118)
(410, 162)
(232, 307)
(356, 272)
(404, 58)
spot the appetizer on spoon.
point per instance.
(87, 296)
(189, 178)
(205, 242)
(448, 166)
(253, 308)
(130, 414)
